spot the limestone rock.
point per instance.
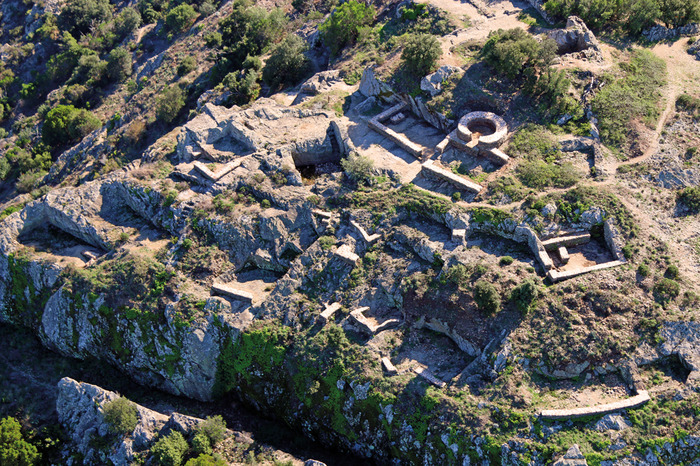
(575, 38)
(370, 86)
(694, 49)
(433, 82)
(573, 457)
(321, 82)
(611, 422)
(80, 411)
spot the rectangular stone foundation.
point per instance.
(553, 244)
(557, 276)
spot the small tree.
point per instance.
(14, 450)
(169, 450)
(421, 53)
(344, 24)
(359, 168)
(119, 66)
(243, 85)
(121, 415)
(127, 21)
(214, 428)
(524, 294)
(65, 123)
(287, 63)
(206, 460)
(78, 16)
(487, 297)
(170, 104)
(180, 18)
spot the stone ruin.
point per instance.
(216, 142)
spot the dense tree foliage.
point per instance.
(119, 64)
(14, 449)
(170, 450)
(65, 123)
(421, 53)
(287, 63)
(631, 15)
(249, 29)
(78, 16)
(180, 18)
(344, 24)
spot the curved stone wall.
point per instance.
(491, 120)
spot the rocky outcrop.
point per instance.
(221, 134)
(576, 38)
(658, 33)
(432, 83)
(694, 49)
(80, 408)
(678, 339)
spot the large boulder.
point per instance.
(575, 38)
(433, 82)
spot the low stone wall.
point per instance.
(632, 402)
(403, 142)
(231, 292)
(429, 169)
(494, 155)
(557, 276)
(567, 241)
(613, 240)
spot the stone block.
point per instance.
(427, 375)
(397, 118)
(388, 367)
(563, 254)
(431, 170)
(231, 292)
(459, 235)
(346, 253)
(328, 313)
(369, 239)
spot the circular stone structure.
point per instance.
(488, 129)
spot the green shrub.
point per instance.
(14, 450)
(358, 167)
(487, 297)
(78, 16)
(170, 103)
(505, 260)
(524, 295)
(214, 428)
(287, 63)
(643, 270)
(243, 86)
(666, 290)
(326, 242)
(534, 142)
(213, 39)
(421, 53)
(249, 30)
(690, 197)
(169, 450)
(206, 460)
(187, 65)
(121, 415)
(539, 174)
(511, 51)
(201, 445)
(689, 104)
(672, 272)
(127, 21)
(65, 123)
(180, 18)
(342, 27)
(119, 65)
